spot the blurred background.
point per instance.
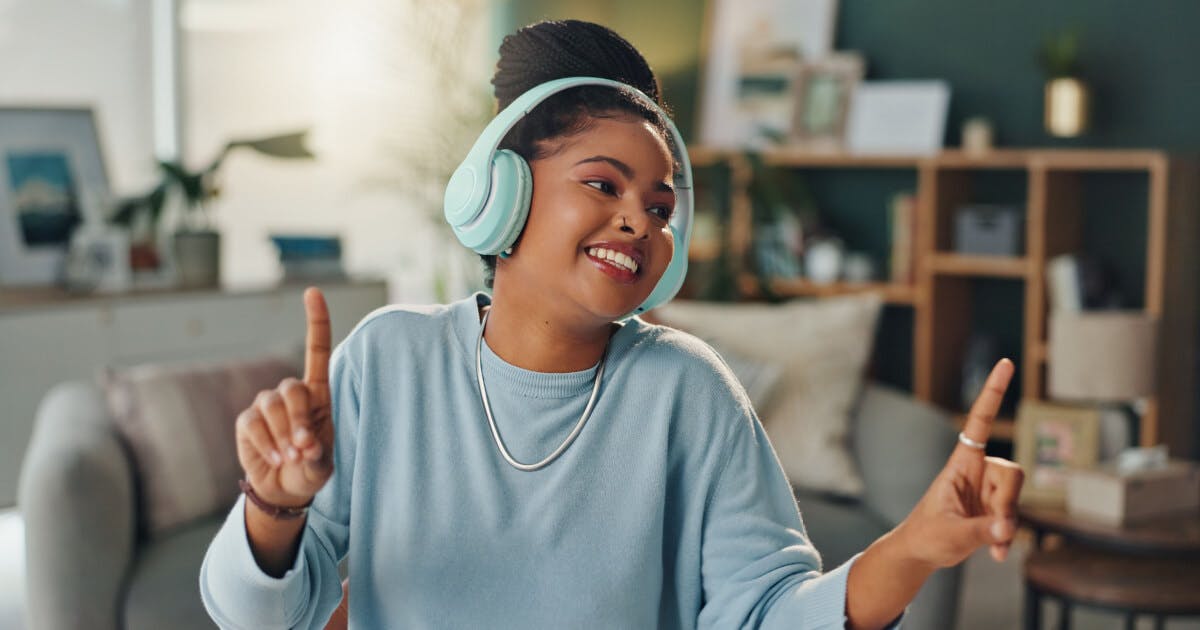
(1007, 179)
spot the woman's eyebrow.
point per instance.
(625, 170)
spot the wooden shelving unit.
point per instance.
(979, 266)
(799, 287)
(941, 295)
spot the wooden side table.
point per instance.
(1150, 568)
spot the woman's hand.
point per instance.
(973, 501)
(285, 438)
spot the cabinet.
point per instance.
(1057, 188)
(47, 337)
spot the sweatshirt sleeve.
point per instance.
(758, 567)
(238, 594)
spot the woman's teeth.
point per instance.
(617, 258)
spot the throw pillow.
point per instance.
(823, 347)
(178, 421)
(759, 378)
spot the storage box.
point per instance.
(1102, 495)
(989, 230)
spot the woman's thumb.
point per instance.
(318, 462)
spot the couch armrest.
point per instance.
(76, 496)
(901, 444)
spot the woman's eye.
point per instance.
(662, 212)
(602, 186)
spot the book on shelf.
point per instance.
(313, 270)
(902, 217)
(305, 257)
(1063, 289)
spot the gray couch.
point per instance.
(900, 444)
(86, 567)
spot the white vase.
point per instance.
(823, 261)
(1067, 105)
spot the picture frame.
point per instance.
(52, 180)
(750, 55)
(1051, 439)
(824, 91)
(906, 117)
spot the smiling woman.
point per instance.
(605, 187)
(542, 457)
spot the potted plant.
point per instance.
(1066, 93)
(196, 242)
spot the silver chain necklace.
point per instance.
(587, 412)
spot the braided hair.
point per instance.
(550, 50)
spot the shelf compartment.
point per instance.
(981, 266)
(900, 294)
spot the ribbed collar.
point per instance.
(498, 373)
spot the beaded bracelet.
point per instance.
(274, 511)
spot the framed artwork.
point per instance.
(823, 92)
(898, 117)
(1051, 440)
(751, 54)
(52, 179)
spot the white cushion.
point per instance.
(759, 378)
(823, 347)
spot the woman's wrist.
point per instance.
(903, 547)
(883, 580)
(273, 542)
(280, 511)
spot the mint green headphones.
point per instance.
(487, 197)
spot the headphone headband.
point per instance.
(471, 189)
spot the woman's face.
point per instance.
(603, 194)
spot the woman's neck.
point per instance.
(539, 342)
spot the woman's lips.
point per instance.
(620, 274)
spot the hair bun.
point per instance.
(550, 50)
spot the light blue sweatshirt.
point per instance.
(670, 510)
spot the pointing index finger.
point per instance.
(316, 344)
(979, 421)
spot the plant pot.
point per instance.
(1066, 107)
(198, 259)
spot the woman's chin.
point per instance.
(612, 306)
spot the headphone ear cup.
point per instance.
(671, 280)
(502, 217)
(515, 193)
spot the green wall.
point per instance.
(1139, 56)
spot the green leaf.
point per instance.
(1059, 54)
(192, 184)
(288, 145)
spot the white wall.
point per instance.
(85, 52)
(348, 71)
(253, 67)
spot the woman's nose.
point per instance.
(632, 220)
